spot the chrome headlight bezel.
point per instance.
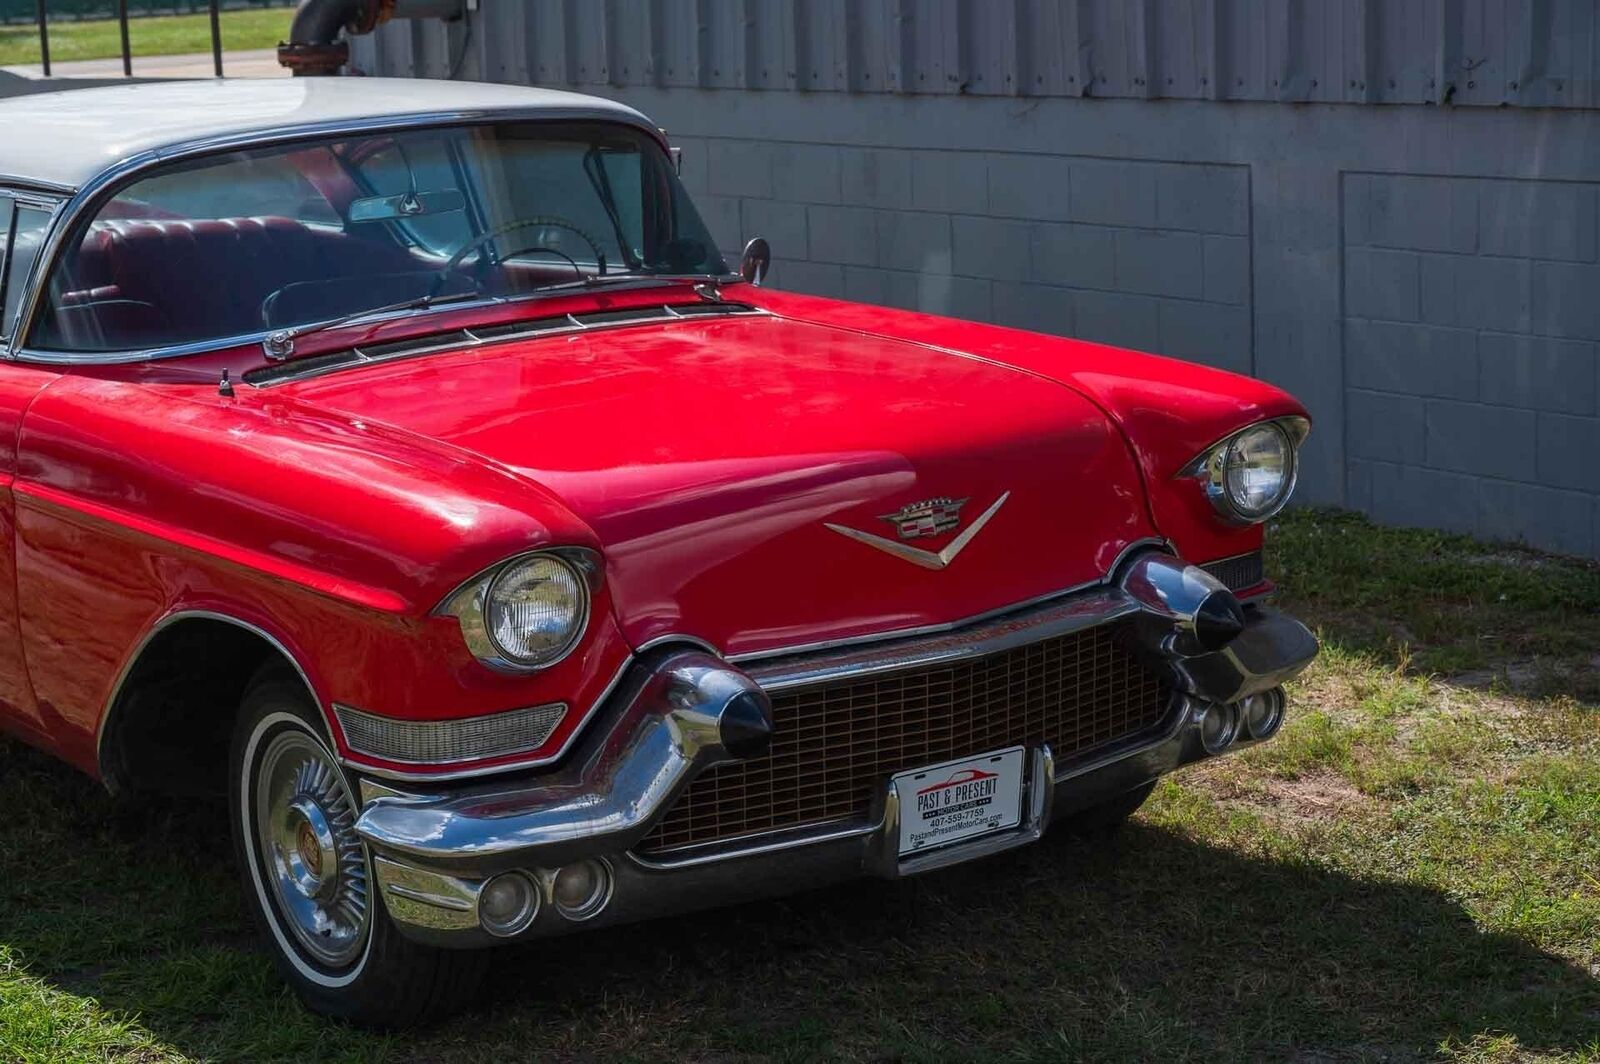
(469, 603)
(1210, 467)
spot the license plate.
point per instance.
(946, 803)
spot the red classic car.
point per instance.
(403, 461)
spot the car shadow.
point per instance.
(1148, 944)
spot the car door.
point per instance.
(25, 219)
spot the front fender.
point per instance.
(1168, 410)
(135, 503)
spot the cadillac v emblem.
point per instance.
(929, 518)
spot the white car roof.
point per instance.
(63, 140)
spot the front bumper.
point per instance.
(680, 713)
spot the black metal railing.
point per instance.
(12, 11)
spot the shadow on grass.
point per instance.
(1150, 945)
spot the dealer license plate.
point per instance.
(946, 803)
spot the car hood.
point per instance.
(740, 472)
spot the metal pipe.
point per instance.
(314, 47)
(44, 40)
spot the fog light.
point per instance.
(507, 904)
(581, 890)
(1219, 723)
(1263, 713)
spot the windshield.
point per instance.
(239, 244)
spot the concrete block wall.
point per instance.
(1470, 329)
(1424, 275)
(1426, 280)
(1152, 255)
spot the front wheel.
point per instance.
(308, 876)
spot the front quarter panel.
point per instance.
(135, 504)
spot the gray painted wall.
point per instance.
(1426, 278)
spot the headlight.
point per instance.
(535, 609)
(1250, 475)
(526, 613)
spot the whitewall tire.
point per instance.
(307, 876)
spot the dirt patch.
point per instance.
(1537, 678)
(1323, 797)
(1378, 1054)
(1508, 558)
(1519, 676)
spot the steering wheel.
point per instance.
(498, 231)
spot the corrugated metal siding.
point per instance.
(1526, 53)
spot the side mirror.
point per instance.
(675, 156)
(753, 265)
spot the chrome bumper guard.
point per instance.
(679, 713)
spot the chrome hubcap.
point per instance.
(312, 856)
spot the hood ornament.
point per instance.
(931, 517)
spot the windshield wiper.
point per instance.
(279, 344)
(601, 280)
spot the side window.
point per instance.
(622, 183)
(7, 209)
(26, 232)
(260, 186)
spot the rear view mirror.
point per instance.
(406, 205)
(757, 257)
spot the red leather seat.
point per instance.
(208, 279)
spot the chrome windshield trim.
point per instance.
(285, 373)
(1145, 543)
(103, 185)
(198, 347)
(1077, 613)
(106, 358)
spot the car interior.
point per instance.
(306, 235)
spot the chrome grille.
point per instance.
(1240, 572)
(835, 745)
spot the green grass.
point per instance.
(160, 35)
(1500, 615)
(1408, 872)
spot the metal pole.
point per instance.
(44, 41)
(127, 52)
(216, 36)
